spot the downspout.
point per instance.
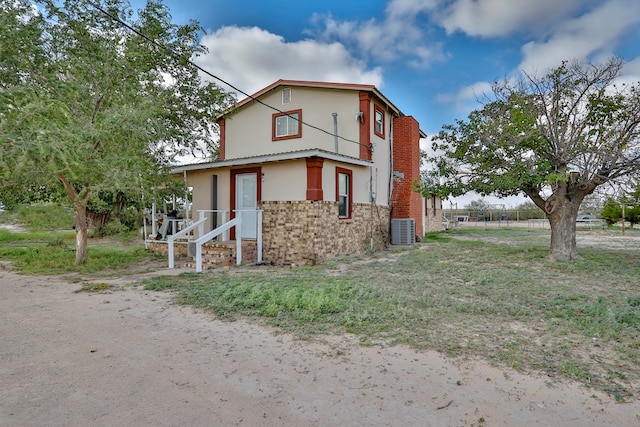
(390, 192)
(372, 198)
(335, 130)
(390, 161)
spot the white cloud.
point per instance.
(468, 98)
(492, 18)
(594, 33)
(397, 35)
(630, 72)
(252, 58)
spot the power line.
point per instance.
(190, 62)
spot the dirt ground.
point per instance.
(132, 358)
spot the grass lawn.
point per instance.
(48, 247)
(50, 253)
(468, 292)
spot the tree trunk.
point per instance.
(79, 202)
(81, 234)
(563, 230)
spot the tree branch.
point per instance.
(96, 108)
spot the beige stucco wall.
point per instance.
(249, 131)
(381, 174)
(286, 180)
(380, 156)
(201, 182)
(360, 176)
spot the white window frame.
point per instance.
(378, 125)
(346, 196)
(286, 95)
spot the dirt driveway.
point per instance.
(132, 358)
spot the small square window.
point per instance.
(286, 95)
(287, 125)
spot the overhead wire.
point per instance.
(208, 73)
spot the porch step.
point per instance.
(223, 254)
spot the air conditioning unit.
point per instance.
(403, 232)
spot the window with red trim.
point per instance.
(287, 125)
(378, 124)
(344, 192)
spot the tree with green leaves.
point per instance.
(96, 106)
(477, 204)
(554, 138)
(613, 211)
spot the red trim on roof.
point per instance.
(315, 84)
(307, 83)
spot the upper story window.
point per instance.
(378, 125)
(287, 125)
(344, 192)
(286, 95)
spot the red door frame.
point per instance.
(232, 205)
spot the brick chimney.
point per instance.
(406, 169)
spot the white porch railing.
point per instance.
(236, 222)
(258, 229)
(223, 217)
(182, 233)
(221, 230)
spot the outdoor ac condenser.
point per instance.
(403, 232)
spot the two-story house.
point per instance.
(329, 165)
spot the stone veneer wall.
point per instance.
(433, 222)
(307, 232)
(161, 247)
(214, 254)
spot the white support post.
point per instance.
(201, 226)
(225, 235)
(259, 237)
(198, 257)
(154, 223)
(170, 245)
(239, 240)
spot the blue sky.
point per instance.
(431, 58)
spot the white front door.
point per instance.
(247, 203)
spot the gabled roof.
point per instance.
(322, 85)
